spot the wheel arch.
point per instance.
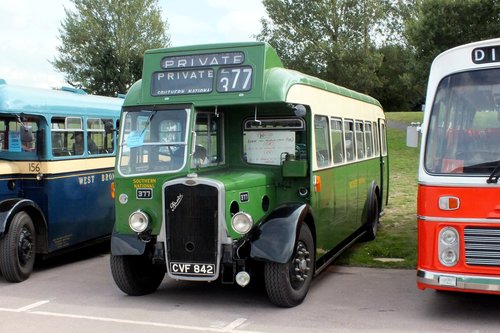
(10, 207)
(275, 237)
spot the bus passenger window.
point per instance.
(360, 139)
(322, 139)
(99, 140)
(78, 144)
(337, 134)
(350, 145)
(368, 139)
(376, 140)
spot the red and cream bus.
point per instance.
(458, 189)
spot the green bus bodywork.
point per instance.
(279, 193)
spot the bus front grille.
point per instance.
(191, 223)
(482, 246)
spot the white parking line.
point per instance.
(32, 306)
(231, 326)
(24, 308)
(228, 328)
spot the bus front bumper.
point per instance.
(461, 282)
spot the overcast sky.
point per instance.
(29, 31)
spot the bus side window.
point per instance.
(60, 137)
(368, 139)
(99, 140)
(384, 137)
(376, 139)
(337, 134)
(322, 139)
(350, 145)
(360, 139)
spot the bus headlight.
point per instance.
(242, 222)
(449, 236)
(448, 257)
(448, 246)
(138, 221)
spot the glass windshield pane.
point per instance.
(464, 127)
(153, 141)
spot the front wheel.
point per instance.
(136, 275)
(287, 284)
(17, 249)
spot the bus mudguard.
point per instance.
(9, 208)
(274, 239)
(126, 245)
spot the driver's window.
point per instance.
(207, 149)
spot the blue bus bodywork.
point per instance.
(55, 191)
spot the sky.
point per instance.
(29, 32)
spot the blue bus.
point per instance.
(57, 153)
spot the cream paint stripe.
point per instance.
(54, 167)
(334, 104)
(139, 322)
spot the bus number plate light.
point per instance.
(448, 281)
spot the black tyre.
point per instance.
(136, 275)
(373, 220)
(17, 249)
(287, 284)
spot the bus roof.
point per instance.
(45, 102)
(472, 56)
(463, 57)
(270, 81)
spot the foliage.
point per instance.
(440, 25)
(398, 91)
(103, 43)
(333, 40)
(383, 48)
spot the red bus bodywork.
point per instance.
(459, 188)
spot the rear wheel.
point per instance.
(17, 249)
(287, 284)
(136, 275)
(373, 220)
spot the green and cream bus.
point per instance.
(232, 167)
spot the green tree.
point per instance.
(103, 43)
(397, 92)
(331, 39)
(440, 25)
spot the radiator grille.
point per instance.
(191, 223)
(482, 246)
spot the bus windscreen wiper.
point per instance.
(493, 178)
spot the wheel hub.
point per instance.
(301, 264)
(25, 246)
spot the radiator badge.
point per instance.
(175, 204)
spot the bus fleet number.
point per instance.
(34, 167)
(234, 79)
(144, 193)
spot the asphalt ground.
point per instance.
(76, 293)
